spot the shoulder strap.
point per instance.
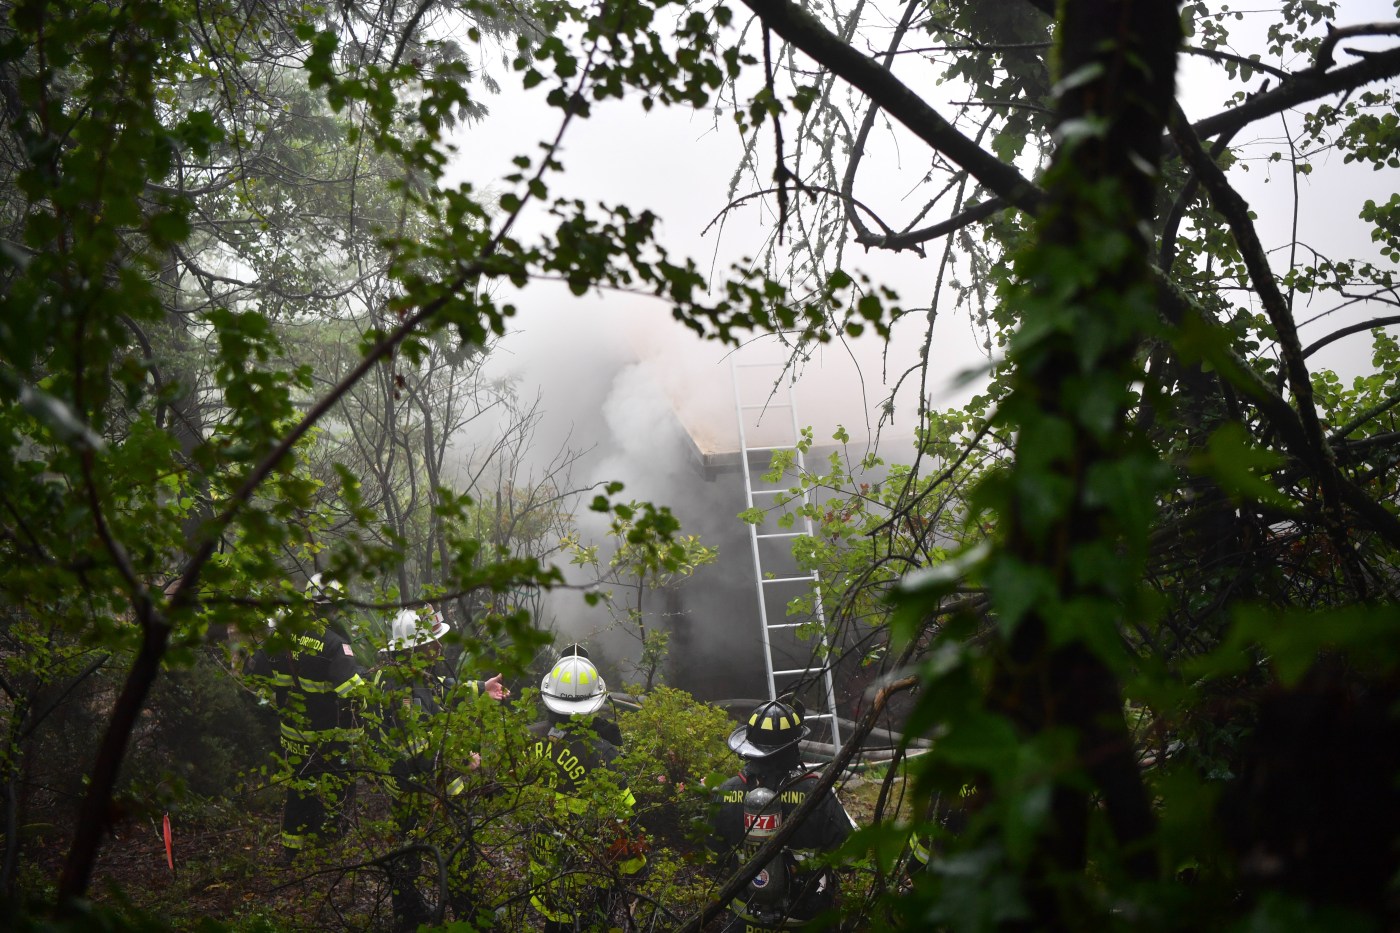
(795, 777)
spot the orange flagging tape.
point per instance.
(169, 854)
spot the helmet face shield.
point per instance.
(772, 727)
(573, 686)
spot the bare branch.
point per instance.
(1324, 60)
(808, 34)
(912, 239)
(1347, 331)
(1220, 56)
(1299, 89)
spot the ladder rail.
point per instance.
(753, 534)
(818, 609)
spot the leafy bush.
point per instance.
(674, 742)
(203, 731)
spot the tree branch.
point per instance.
(1347, 331)
(1219, 56)
(808, 34)
(1316, 452)
(1299, 89)
(736, 883)
(848, 182)
(1324, 60)
(1236, 213)
(912, 239)
(1282, 417)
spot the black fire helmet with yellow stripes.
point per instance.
(772, 727)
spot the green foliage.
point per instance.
(228, 246)
(673, 745)
(1120, 498)
(1291, 644)
(648, 555)
(1385, 221)
(202, 737)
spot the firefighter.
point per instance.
(575, 886)
(749, 807)
(413, 674)
(606, 727)
(418, 633)
(312, 680)
(945, 817)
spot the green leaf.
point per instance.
(1233, 460)
(1017, 588)
(944, 576)
(168, 228)
(1292, 641)
(61, 420)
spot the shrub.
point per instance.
(673, 742)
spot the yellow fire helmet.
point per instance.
(573, 686)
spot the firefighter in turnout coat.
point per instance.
(749, 807)
(419, 780)
(573, 887)
(312, 680)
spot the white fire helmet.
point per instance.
(573, 686)
(324, 589)
(414, 627)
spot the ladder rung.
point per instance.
(765, 407)
(782, 534)
(768, 492)
(785, 625)
(760, 450)
(819, 716)
(806, 579)
(799, 670)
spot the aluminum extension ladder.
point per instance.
(818, 663)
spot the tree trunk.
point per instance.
(1118, 61)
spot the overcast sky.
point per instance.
(679, 164)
